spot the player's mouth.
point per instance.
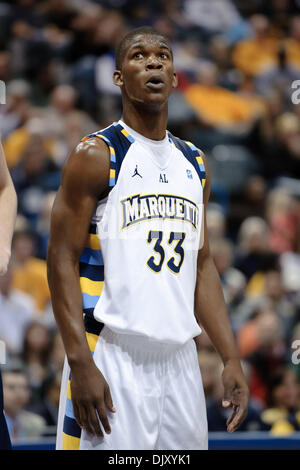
(155, 82)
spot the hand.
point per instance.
(236, 394)
(90, 397)
(4, 260)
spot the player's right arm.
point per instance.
(84, 179)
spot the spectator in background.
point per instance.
(282, 154)
(83, 28)
(35, 356)
(29, 272)
(279, 77)
(253, 236)
(34, 176)
(5, 65)
(292, 43)
(16, 143)
(75, 125)
(290, 268)
(233, 281)
(283, 412)
(216, 223)
(21, 423)
(16, 111)
(17, 310)
(22, 224)
(256, 55)
(108, 33)
(48, 408)
(59, 13)
(281, 302)
(62, 102)
(263, 348)
(216, 106)
(33, 47)
(279, 13)
(275, 298)
(188, 57)
(62, 122)
(284, 220)
(266, 131)
(251, 332)
(248, 202)
(213, 17)
(96, 69)
(82, 52)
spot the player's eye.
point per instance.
(163, 55)
(137, 55)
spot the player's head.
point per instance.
(130, 37)
(144, 67)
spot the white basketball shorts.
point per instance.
(157, 393)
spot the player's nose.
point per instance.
(153, 63)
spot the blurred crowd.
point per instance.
(238, 63)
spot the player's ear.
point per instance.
(117, 77)
(175, 80)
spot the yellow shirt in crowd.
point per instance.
(218, 106)
(32, 279)
(16, 143)
(256, 56)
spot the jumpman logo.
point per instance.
(136, 173)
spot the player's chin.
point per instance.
(156, 98)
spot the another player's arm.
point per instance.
(8, 212)
(84, 179)
(211, 312)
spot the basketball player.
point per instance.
(8, 209)
(129, 248)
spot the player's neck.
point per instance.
(150, 124)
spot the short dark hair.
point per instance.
(14, 365)
(143, 30)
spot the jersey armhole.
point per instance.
(193, 154)
(197, 155)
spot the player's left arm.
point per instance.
(8, 211)
(211, 313)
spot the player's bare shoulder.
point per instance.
(87, 167)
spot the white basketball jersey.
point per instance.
(145, 237)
